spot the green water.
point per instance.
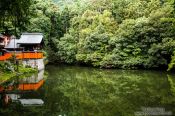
(82, 91)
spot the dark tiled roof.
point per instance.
(31, 38)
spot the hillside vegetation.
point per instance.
(125, 34)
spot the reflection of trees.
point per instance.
(107, 92)
(172, 84)
(12, 87)
(171, 98)
(80, 91)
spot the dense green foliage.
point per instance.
(119, 33)
(14, 15)
(107, 33)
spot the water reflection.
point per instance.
(16, 90)
(82, 91)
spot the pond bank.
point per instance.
(22, 72)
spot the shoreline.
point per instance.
(23, 72)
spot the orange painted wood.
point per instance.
(31, 86)
(24, 55)
(6, 56)
(24, 87)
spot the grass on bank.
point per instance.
(9, 70)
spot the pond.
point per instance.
(83, 91)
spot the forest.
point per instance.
(127, 34)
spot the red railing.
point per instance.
(23, 55)
(5, 56)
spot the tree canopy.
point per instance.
(14, 15)
(102, 33)
(119, 34)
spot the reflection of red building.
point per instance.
(30, 86)
(32, 83)
(19, 90)
(23, 86)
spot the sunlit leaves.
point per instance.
(108, 33)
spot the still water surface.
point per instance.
(82, 91)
